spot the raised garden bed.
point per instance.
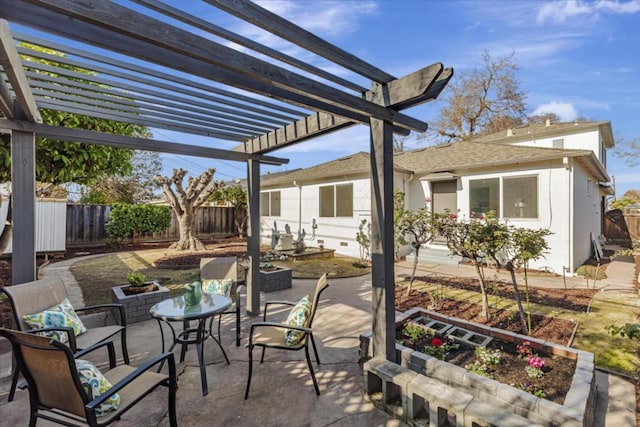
(575, 408)
(309, 253)
(275, 278)
(136, 306)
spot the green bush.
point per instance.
(589, 272)
(127, 220)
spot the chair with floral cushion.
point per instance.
(294, 334)
(43, 306)
(67, 390)
(220, 276)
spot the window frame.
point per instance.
(334, 190)
(267, 209)
(537, 197)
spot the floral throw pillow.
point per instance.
(95, 384)
(217, 286)
(297, 317)
(61, 315)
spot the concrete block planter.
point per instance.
(482, 393)
(136, 307)
(275, 280)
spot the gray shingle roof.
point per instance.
(485, 151)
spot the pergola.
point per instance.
(155, 65)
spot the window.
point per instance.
(270, 203)
(558, 143)
(484, 195)
(336, 200)
(520, 197)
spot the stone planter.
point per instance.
(275, 280)
(417, 386)
(136, 307)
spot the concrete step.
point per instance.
(436, 256)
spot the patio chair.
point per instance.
(65, 390)
(219, 269)
(294, 334)
(35, 297)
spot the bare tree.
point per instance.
(184, 201)
(628, 149)
(487, 98)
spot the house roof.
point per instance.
(349, 166)
(549, 129)
(480, 153)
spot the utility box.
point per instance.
(285, 242)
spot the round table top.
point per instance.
(176, 309)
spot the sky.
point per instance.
(576, 59)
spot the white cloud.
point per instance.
(561, 11)
(564, 110)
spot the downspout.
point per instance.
(568, 166)
(404, 186)
(299, 208)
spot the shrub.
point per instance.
(589, 272)
(127, 220)
(135, 278)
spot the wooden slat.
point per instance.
(6, 99)
(119, 19)
(151, 112)
(243, 41)
(12, 65)
(273, 110)
(124, 89)
(136, 119)
(311, 126)
(253, 238)
(121, 141)
(279, 26)
(140, 100)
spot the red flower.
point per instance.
(453, 216)
(436, 342)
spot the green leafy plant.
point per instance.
(440, 348)
(135, 278)
(127, 220)
(530, 388)
(628, 330)
(414, 332)
(488, 356)
(591, 272)
(363, 237)
(479, 368)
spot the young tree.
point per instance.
(235, 196)
(480, 240)
(184, 201)
(421, 227)
(363, 237)
(524, 245)
(485, 99)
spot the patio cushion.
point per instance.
(297, 317)
(95, 384)
(61, 315)
(217, 286)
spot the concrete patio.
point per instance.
(282, 392)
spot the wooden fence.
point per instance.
(86, 224)
(622, 225)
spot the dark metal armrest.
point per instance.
(239, 290)
(110, 349)
(71, 336)
(103, 307)
(132, 376)
(268, 303)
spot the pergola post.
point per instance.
(382, 247)
(23, 183)
(253, 238)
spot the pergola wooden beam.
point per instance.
(121, 141)
(6, 98)
(421, 86)
(275, 24)
(243, 41)
(11, 63)
(174, 41)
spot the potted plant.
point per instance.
(138, 296)
(138, 284)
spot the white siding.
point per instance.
(51, 224)
(587, 215)
(586, 140)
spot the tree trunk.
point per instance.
(518, 300)
(483, 291)
(188, 240)
(413, 271)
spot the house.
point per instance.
(549, 175)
